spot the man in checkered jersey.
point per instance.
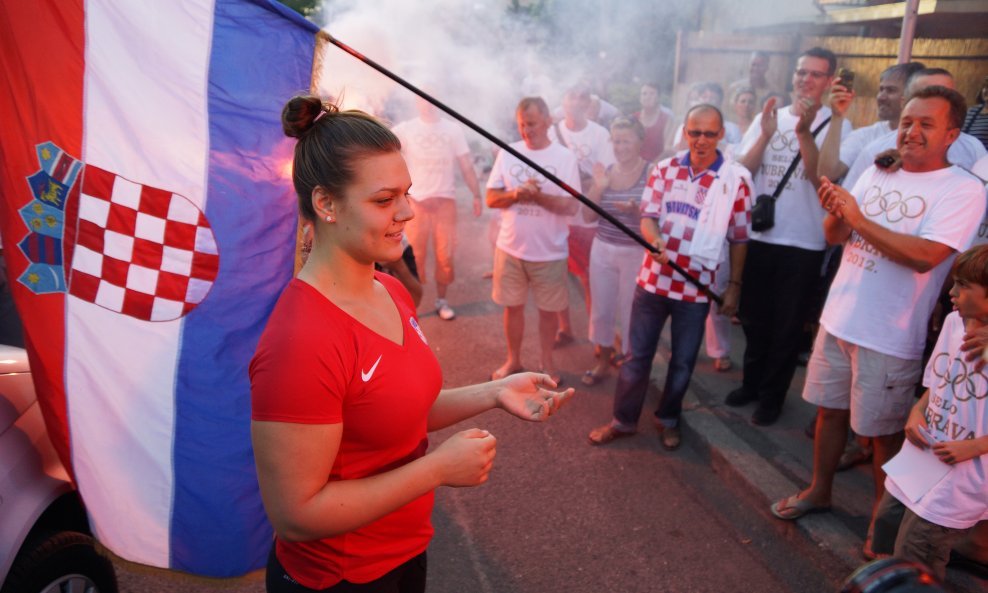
(692, 203)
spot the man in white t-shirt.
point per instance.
(531, 246)
(784, 262)
(900, 232)
(963, 152)
(838, 151)
(434, 147)
(591, 144)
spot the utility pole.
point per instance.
(908, 31)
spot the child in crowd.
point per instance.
(951, 420)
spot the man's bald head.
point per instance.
(704, 108)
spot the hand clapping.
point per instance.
(807, 113)
(837, 201)
(770, 118)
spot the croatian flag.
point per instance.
(148, 225)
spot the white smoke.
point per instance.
(481, 57)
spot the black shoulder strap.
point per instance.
(795, 163)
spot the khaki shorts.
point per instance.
(513, 276)
(878, 389)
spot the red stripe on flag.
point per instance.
(41, 64)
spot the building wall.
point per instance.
(723, 57)
(734, 15)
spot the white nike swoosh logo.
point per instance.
(366, 375)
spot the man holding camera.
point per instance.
(784, 261)
(838, 152)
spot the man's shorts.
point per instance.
(513, 277)
(877, 388)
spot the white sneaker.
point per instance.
(445, 312)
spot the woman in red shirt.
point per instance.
(344, 386)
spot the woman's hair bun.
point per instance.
(301, 113)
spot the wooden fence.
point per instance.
(723, 58)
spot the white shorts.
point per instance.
(878, 389)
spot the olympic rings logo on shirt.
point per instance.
(785, 141)
(522, 173)
(429, 140)
(895, 207)
(966, 377)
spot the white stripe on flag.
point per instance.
(145, 120)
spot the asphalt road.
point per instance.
(559, 515)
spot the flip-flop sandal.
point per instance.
(617, 361)
(606, 434)
(590, 379)
(562, 339)
(853, 456)
(502, 373)
(792, 508)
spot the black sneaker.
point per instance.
(765, 416)
(739, 397)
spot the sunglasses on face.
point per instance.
(705, 134)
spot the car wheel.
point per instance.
(61, 561)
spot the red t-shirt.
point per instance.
(315, 364)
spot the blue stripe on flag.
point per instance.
(261, 55)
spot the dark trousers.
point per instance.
(777, 290)
(648, 316)
(407, 578)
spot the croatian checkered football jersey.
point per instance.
(675, 196)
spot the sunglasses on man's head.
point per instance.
(705, 133)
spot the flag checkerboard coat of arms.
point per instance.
(148, 228)
(139, 250)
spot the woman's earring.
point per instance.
(329, 219)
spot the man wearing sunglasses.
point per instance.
(694, 204)
(784, 262)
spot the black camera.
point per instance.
(845, 77)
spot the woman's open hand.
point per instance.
(531, 396)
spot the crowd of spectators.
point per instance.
(853, 276)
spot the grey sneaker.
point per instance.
(445, 312)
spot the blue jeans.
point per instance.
(648, 317)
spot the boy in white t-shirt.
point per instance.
(950, 422)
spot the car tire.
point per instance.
(49, 562)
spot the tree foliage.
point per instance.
(305, 8)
